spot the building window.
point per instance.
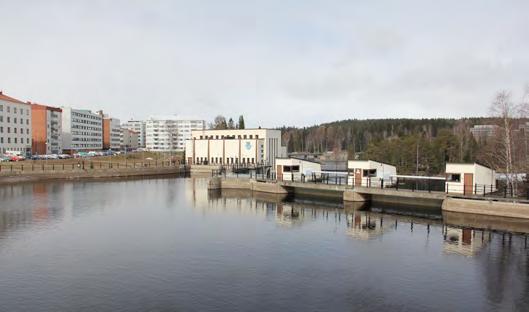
(453, 177)
(370, 173)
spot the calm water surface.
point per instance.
(168, 245)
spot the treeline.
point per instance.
(415, 146)
(220, 123)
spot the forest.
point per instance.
(415, 146)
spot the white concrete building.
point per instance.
(15, 126)
(137, 126)
(288, 169)
(235, 147)
(170, 134)
(129, 139)
(469, 179)
(184, 128)
(160, 135)
(82, 130)
(369, 173)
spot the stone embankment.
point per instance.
(86, 174)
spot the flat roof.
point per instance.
(300, 159)
(236, 130)
(471, 164)
(370, 160)
(417, 177)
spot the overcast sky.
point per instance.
(276, 62)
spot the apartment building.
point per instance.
(482, 133)
(184, 128)
(129, 139)
(111, 132)
(160, 135)
(46, 125)
(137, 126)
(15, 125)
(170, 134)
(235, 147)
(82, 130)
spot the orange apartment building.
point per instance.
(46, 129)
(111, 132)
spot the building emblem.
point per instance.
(248, 146)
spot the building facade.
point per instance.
(369, 173)
(170, 134)
(235, 147)
(184, 128)
(160, 135)
(470, 179)
(82, 130)
(15, 126)
(137, 126)
(46, 125)
(111, 132)
(482, 133)
(129, 139)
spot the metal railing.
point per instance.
(408, 185)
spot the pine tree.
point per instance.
(241, 122)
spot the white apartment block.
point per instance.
(184, 128)
(82, 130)
(15, 125)
(160, 135)
(235, 147)
(137, 126)
(170, 134)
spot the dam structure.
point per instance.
(472, 204)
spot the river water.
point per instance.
(169, 245)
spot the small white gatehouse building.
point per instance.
(470, 179)
(369, 172)
(288, 169)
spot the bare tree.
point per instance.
(504, 109)
(509, 139)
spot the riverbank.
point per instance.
(7, 178)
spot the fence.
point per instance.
(420, 185)
(28, 167)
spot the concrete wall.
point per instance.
(487, 207)
(232, 150)
(485, 176)
(37, 176)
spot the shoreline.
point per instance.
(95, 174)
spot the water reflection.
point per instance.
(119, 245)
(500, 245)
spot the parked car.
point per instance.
(64, 156)
(16, 158)
(4, 158)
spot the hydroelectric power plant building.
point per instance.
(234, 147)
